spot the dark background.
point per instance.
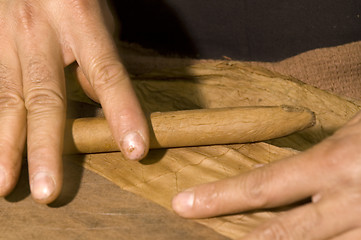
(262, 30)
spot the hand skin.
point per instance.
(38, 38)
(329, 173)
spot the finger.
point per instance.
(349, 235)
(108, 17)
(44, 91)
(319, 220)
(13, 120)
(97, 56)
(88, 89)
(274, 185)
(330, 163)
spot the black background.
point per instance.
(263, 30)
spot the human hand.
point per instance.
(329, 173)
(38, 38)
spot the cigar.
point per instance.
(194, 128)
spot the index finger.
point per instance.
(97, 56)
(276, 184)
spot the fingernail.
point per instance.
(133, 146)
(316, 198)
(42, 186)
(258, 165)
(183, 202)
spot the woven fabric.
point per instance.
(335, 69)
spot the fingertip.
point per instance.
(183, 203)
(44, 188)
(202, 201)
(8, 179)
(134, 145)
(4, 189)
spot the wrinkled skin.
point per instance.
(38, 38)
(329, 173)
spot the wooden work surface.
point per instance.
(92, 207)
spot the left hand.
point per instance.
(329, 173)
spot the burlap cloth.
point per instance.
(335, 69)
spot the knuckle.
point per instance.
(83, 9)
(42, 92)
(25, 15)
(10, 92)
(353, 199)
(275, 231)
(331, 155)
(256, 189)
(43, 100)
(309, 220)
(106, 73)
(338, 157)
(81, 5)
(38, 72)
(10, 101)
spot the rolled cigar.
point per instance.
(194, 128)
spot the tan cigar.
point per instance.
(194, 128)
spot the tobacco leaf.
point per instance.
(212, 85)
